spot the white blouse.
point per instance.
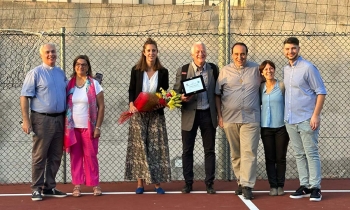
(150, 84)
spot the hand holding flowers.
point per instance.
(146, 102)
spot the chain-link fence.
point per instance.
(115, 54)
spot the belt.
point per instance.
(49, 114)
(203, 110)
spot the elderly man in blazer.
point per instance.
(198, 110)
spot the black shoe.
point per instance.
(247, 193)
(187, 188)
(239, 190)
(54, 193)
(315, 194)
(301, 192)
(36, 195)
(210, 189)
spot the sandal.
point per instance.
(97, 191)
(76, 191)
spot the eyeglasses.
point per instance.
(81, 64)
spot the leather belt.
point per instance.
(49, 114)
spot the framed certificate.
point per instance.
(193, 85)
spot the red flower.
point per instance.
(162, 102)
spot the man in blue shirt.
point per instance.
(304, 99)
(45, 88)
(238, 105)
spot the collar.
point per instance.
(195, 67)
(238, 68)
(296, 61)
(47, 67)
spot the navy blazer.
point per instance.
(136, 80)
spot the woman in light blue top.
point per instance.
(273, 131)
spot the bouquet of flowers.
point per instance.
(146, 102)
(170, 99)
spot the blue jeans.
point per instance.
(305, 145)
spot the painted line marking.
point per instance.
(177, 192)
(248, 203)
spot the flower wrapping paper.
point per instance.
(144, 102)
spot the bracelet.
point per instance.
(98, 128)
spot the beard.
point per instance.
(293, 58)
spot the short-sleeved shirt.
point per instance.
(272, 107)
(81, 105)
(239, 90)
(303, 83)
(46, 87)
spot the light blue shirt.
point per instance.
(239, 90)
(303, 83)
(202, 97)
(272, 108)
(46, 87)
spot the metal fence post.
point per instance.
(63, 66)
(228, 58)
(224, 170)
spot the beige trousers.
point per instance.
(244, 140)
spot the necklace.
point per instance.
(79, 86)
(240, 73)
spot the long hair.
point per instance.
(142, 64)
(86, 58)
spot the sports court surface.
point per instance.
(121, 195)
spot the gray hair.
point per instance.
(42, 46)
(197, 43)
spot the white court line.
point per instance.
(177, 192)
(248, 203)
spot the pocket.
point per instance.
(37, 125)
(35, 137)
(37, 119)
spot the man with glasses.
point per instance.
(45, 88)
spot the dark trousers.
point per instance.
(275, 142)
(204, 122)
(47, 149)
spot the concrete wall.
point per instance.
(257, 16)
